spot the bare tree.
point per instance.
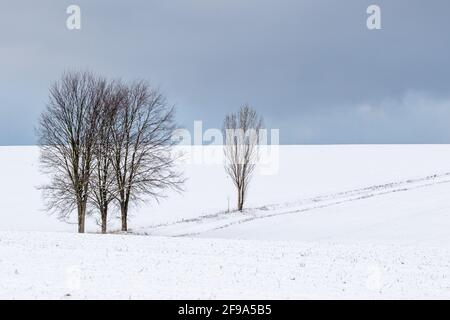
(142, 156)
(67, 133)
(241, 148)
(103, 181)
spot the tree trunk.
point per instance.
(81, 218)
(239, 199)
(103, 226)
(123, 210)
(104, 207)
(242, 198)
(104, 215)
(81, 206)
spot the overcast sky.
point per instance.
(312, 68)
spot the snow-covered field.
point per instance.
(333, 222)
(67, 266)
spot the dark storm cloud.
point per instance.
(312, 68)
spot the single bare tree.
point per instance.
(142, 158)
(103, 181)
(67, 133)
(241, 148)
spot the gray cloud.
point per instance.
(311, 67)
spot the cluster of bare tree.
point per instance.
(105, 144)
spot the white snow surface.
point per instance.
(356, 221)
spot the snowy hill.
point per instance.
(333, 222)
(415, 211)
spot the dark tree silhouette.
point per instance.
(103, 182)
(67, 134)
(241, 148)
(142, 158)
